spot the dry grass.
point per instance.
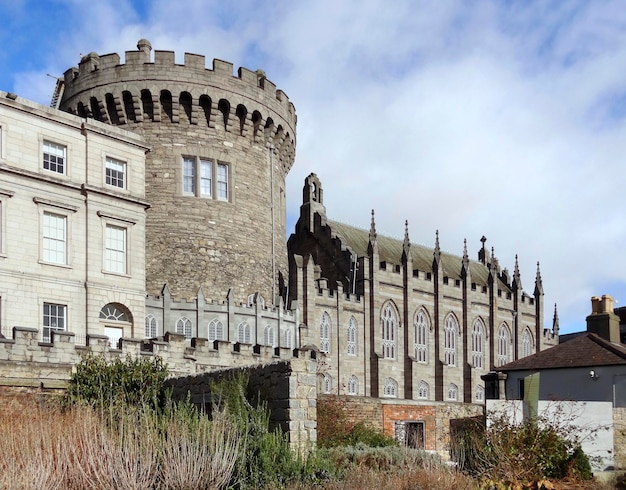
(49, 449)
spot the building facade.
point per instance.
(221, 147)
(397, 320)
(72, 214)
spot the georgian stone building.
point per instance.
(72, 224)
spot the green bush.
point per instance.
(132, 381)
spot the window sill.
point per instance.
(117, 274)
(54, 264)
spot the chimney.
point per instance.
(603, 321)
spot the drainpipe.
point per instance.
(271, 150)
(83, 131)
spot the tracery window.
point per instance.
(353, 385)
(288, 339)
(504, 343)
(453, 392)
(352, 337)
(151, 326)
(113, 312)
(327, 384)
(390, 388)
(268, 336)
(527, 343)
(480, 394)
(325, 333)
(243, 333)
(478, 344)
(422, 327)
(216, 330)
(389, 326)
(183, 326)
(450, 328)
(423, 390)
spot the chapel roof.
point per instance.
(588, 349)
(390, 250)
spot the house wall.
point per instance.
(80, 281)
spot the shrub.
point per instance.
(132, 381)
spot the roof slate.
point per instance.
(585, 350)
(390, 250)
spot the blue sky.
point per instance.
(503, 119)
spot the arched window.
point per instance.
(129, 107)
(353, 385)
(423, 390)
(390, 388)
(287, 339)
(421, 326)
(352, 336)
(241, 112)
(151, 326)
(504, 343)
(205, 105)
(216, 330)
(186, 101)
(257, 120)
(453, 392)
(166, 104)
(527, 343)
(327, 384)
(224, 107)
(268, 336)
(450, 329)
(183, 327)
(389, 326)
(148, 105)
(480, 394)
(478, 344)
(114, 312)
(325, 333)
(243, 333)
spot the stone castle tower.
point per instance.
(221, 148)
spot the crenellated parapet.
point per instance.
(142, 90)
(26, 361)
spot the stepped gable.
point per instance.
(390, 250)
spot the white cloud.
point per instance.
(495, 118)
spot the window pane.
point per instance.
(53, 319)
(206, 178)
(115, 249)
(189, 175)
(54, 232)
(115, 173)
(54, 157)
(222, 181)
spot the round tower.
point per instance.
(221, 148)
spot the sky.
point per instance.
(498, 118)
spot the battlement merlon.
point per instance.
(138, 68)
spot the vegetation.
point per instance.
(106, 435)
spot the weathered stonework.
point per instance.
(241, 121)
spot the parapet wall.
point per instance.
(25, 361)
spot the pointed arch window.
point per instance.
(216, 330)
(527, 343)
(183, 327)
(327, 384)
(480, 394)
(450, 328)
(353, 385)
(243, 333)
(151, 326)
(422, 326)
(389, 326)
(423, 390)
(268, 336)
(390, 388)
(352, 337)
(288, 339)
(504, 345)
(453, 392)
(325, 333)
(478, 344)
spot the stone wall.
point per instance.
(289, 387)
(619, 437)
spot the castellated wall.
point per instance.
(285, 378)
(221, 147)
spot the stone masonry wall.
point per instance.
(288, 387)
